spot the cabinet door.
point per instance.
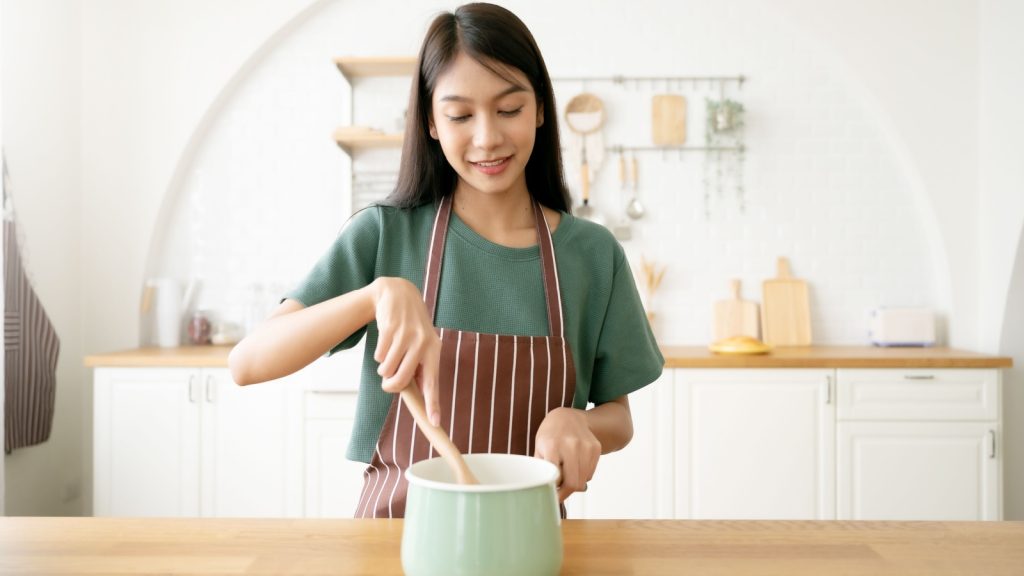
(918, 471)
(635, 482)
(146, 444)
(333, 483)
(245, 461)
(755, 444)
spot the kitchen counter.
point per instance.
(834, 357)
(56, 546)
(675, 357)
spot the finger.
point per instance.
(429, 367)
(571, 479)
(591, 467)
(564, 492)
(384, 338)
(405, 373)
(396, 352)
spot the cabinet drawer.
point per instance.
(333, 404)
(918, 394)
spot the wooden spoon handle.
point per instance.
(439, 439)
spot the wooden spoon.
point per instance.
(439, 439)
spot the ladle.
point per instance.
(439, 439)
(634, 209)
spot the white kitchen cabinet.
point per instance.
(919, 445)
(754, 444)
(189, 442)
(635, 482)
(332, 483)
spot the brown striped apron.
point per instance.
(494, 389)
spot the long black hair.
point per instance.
(492, 36)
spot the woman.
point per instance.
(536, 312)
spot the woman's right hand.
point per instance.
(408, 348)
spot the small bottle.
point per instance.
(199, 329)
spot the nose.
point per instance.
(487, 134)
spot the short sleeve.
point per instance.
(628, 357)
(349, 264)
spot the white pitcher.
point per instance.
(166, 301)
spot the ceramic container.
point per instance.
(509, 524)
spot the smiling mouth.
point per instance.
(491, 163)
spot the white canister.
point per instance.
(167, 297)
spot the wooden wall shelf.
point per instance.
(364, 66)
(352, 138)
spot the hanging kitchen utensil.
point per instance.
(621, 230)
(584, 115)
(668, 120)
(635, 209)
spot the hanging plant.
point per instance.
(723, 129)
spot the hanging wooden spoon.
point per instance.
(439, 439)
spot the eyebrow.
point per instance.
(505, 92)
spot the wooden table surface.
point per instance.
(56, 546)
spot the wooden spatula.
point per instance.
(439, 439)
(735, 317)
(785, 311)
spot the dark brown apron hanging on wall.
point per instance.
(494, 389)
(31, 348)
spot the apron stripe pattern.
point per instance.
(494, 389)
(31, 350)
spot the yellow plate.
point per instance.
(740, 345)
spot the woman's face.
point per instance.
(485, 124)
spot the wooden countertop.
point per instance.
(185, 356)
(675, 357)
(834, 357)
(55, 546)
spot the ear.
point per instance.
(540, 114)
(431, 128)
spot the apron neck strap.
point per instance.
(435, 256)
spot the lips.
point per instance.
(492, 167)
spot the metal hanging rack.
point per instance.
(679, 82)
(667, 80)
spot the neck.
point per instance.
(494, 213)
(506, 219)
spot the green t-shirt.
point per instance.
(493, 289)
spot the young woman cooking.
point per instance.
(473, 281)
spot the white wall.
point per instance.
(866, 128)
(1001, 222)
(827, 183)
(100, 100)
(42, 140)
(919, 61)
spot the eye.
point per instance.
(510, 113)
(458, 119)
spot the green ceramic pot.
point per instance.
(509, 524)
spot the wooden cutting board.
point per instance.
(785, 310)
(735, 317)
(668, 119)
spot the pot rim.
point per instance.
(545, 477)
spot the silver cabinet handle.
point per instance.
(919, 376)
(192, 388)
(828, 389)
(991, 443)
(210, 389)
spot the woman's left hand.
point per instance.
(565, 439)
